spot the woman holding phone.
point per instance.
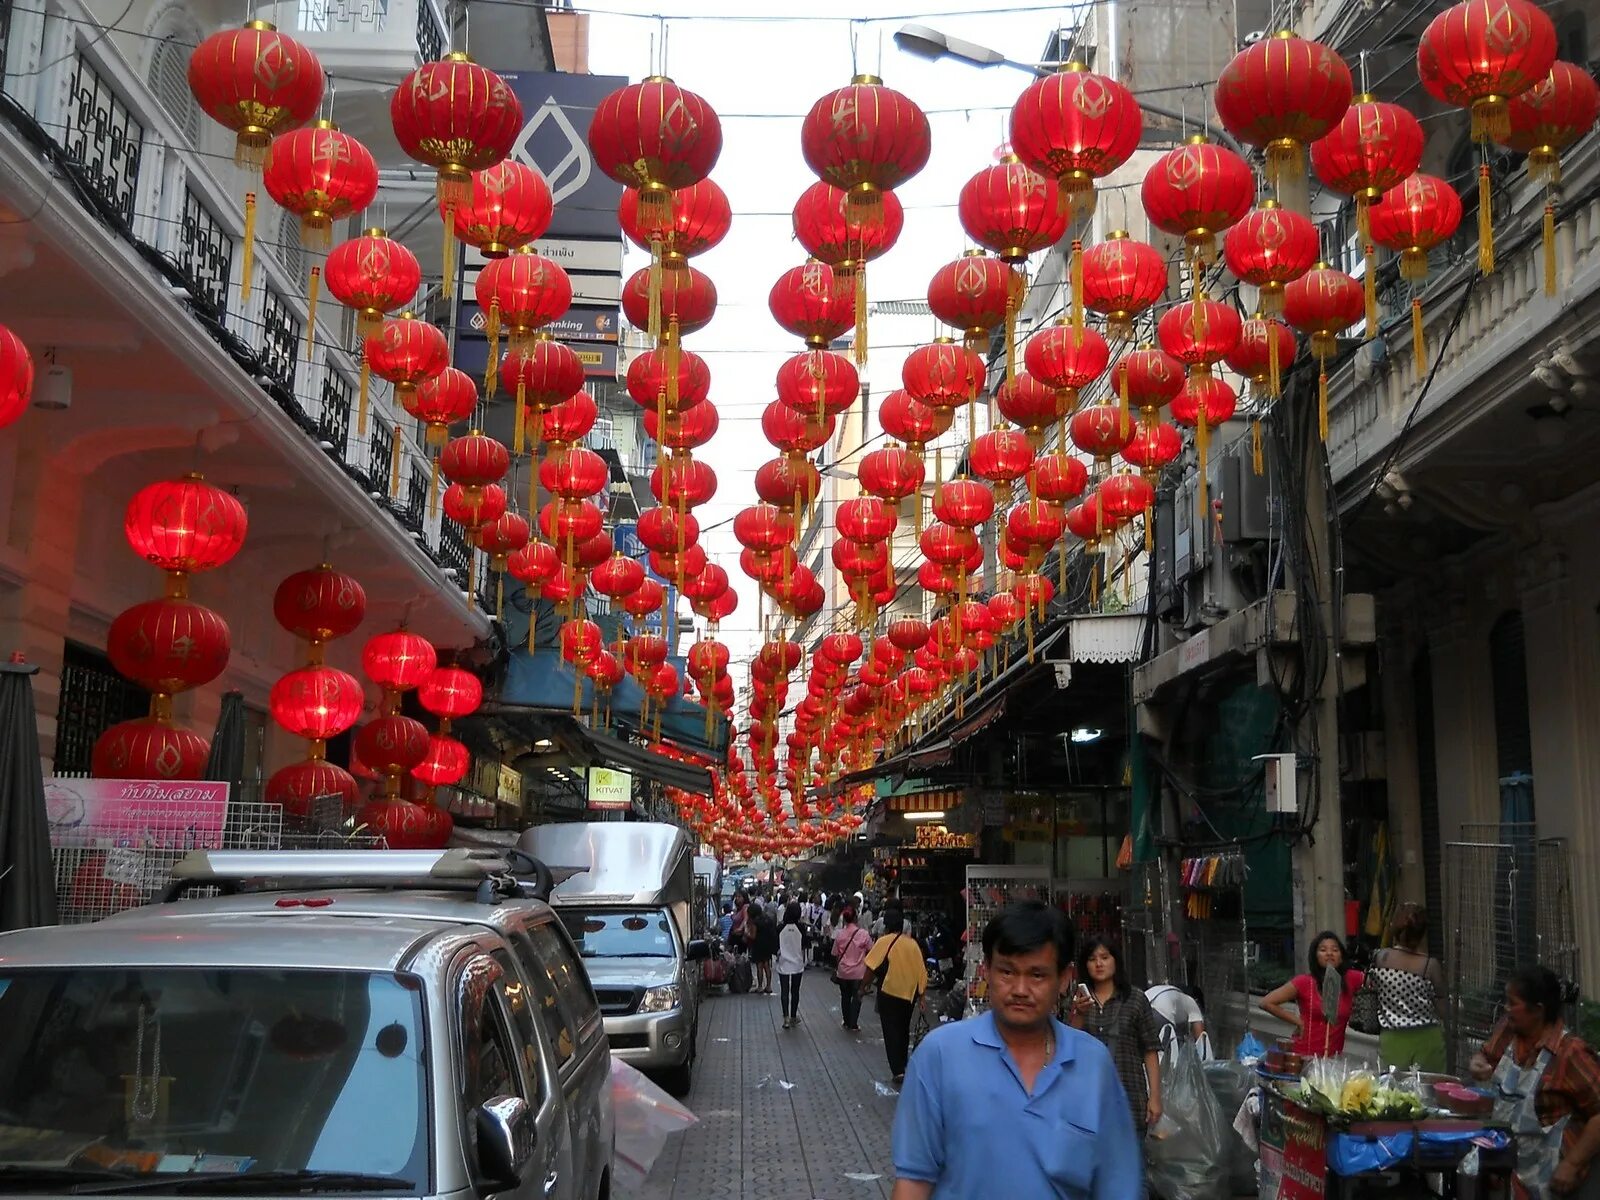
(1119, 1015)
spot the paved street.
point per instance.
(784, 1114)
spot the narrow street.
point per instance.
(783, 1113)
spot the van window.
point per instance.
(520, 1005)
(490, 1056)
(546, 1007)
(574, 998)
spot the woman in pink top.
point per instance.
(850, 946)
(1324, 996)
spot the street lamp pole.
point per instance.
(929, 43)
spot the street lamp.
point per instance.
(929, 43)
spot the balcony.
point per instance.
(122, 248)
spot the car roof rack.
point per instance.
(492, 875)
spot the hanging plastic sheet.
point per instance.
(645, 1118)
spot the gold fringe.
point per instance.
(361, 404)
(1549, 248)
(1011, 342)
(1202, 442)
(1257, 461)
(1077, 286)
(1419, 339)
(500, 597)
(861, 315)
(1122, 399)
(247, 260)
(656, 279)
(311, 310)
(519, 435)
(1485, 221)
(1322, 402)
(491, 373)
(397, 452)
(1274, 365)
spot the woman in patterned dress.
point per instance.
(1120, 1016)
(1410, 996)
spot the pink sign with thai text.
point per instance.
(170, 814)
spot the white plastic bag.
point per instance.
(645, 1117)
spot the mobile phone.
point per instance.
(1083, 990)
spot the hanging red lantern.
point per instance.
(976, 294)
(148, 748)
(1411, 219)
(1057, 477)
(316, 703)
(1121, 279)
(866, 139)
(666, 531)
(319, 605)
(405, 352)
(818, 382)
(16, 377)
(1033, 405)
(1199, 333)
(321, 175)
(184, 525)
(668, 381)
(445, 763)
(168, 645)
(1013, 210)
(544, 374)
(391, 745)
(949, 546)
(792, 430)
(698, 219)
(474, 461)
(1197, 191)
(686, 297)
(617, 577)
(1066, 359)
(373, 274)
(1002, 456)
(1147, 379)
(1076, 126)
(440, 401)
(1265, 350)
(1282, 94)
(682, 483)
(1204, 403)
(396, 661)
(501, 538)
(509, 207)
(908, 633)
(520, 293)
(788, 482)
(813, 303)
(457, 118)
(1550, 116)
(656, 137)
(865, 519)
(538, 562)
(842, 235)
(1125, 496)
(1153, 447)
(472, 507)
(574, 474)
(257, 82)
(763, 528)
(1100, 430)
(943, 375)
(890, 473)
(1479, 54)
(1035, 524)
(1270, 247)
(693, 427)
(908, 419)
(296, 788)
(1323, 303)
(450, 693)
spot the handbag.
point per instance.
(1364, 1008)
(874, 981)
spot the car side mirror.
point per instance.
(698, 950)
(505, 1141)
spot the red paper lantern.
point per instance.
(866, 139)
(322, 175)
(943, 375)
(440, 401)
(657, 137)
(256, 82)
(373, 274)
(405, 352)
(475, 506)
(949, 546)
(404, 825)
(845, 236)
(569, 422)
(574, 474)
(890, 473)
(1374, 146)
(1066, 359)
(450, 692)
(1479, 54)
(818, 382)
(521, 293)
(542, 373)
(1323, 303)
(1266, 348)
(320, 604)
(509, 206)
(474, 461)
(792, 430)
(1037, 523)
(16, 377)
(698, 218)
(1013, 210)
(502, 537)
(1001, 456)
(617, 577)
(1121, 279)
(1270, 247)
(168, 645)
(907, 633)
(1148, 377)
(396, 661)
(865, 519)
(1197, 191)
(1550, 116)
(1413, 218)
(1033, 405)
(1076, 127)
(1058, 477)
(1282, 94)
(298, 786)
(148, 748)
(1153, 447)
(457, 118)
(682, 483)
(1199, 332)
(316, 703)
(667, 532)
(788, 482)
(975, 294)
(1101, 430)
(184, 525)
(812, 303)
(536, 563)
(687, 298)
(916, 424)
(668, 381)
(763, 528)
(1125, 496)
(1205, 402)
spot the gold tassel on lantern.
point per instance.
(1419, 339)
(1077, 286)
(491, 327)
(500, 598)
(396, 453)
(311, 310)
(656, 278)
(1202, 442)
(1257, 459)
(1549, 248)
(247, 260)
(1485, 220)
(861, 315)
(674, 360)
(1322, 401)
(1012, 301)
(519, 436)
(361, 404)
(1274, 366)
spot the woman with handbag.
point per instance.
(897, 970)
(1403, 997)
(850, 946)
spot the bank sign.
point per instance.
(557, 109)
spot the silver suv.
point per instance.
(407, 1023)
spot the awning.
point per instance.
(614, 752)
(975, 725)
(920, 802)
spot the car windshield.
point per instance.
(173, 1071)
(635, 933)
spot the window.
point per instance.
(1508, 672)
(575, 1001)
(545, 1007)
(519, 1002)
(93, 698)
(173, 37)
(491, 1058)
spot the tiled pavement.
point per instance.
(784, 1114)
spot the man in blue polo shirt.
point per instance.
(1014, 1103)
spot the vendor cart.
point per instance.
(1305, 1155)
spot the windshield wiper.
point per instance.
(266, 1183)
(637, 954)
(26, 1177)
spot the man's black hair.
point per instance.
(1119, 977)
(1027, 926)
(894, 921)
(1538, 987)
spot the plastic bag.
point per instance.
(1250, 1050)
(1230, 1085)
(645, 1117)
(1190, 1162)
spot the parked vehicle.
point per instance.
(414, 1023)
(626, 896)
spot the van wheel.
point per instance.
(676, 1079)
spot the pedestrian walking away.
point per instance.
(1324, 995)
(765, 947)
(1014, 1103)
(1119, 1015)
(897, 970)
(1410, 987)
(850, 947)
(791, 963)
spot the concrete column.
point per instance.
(1463, 710)
(1397, 649)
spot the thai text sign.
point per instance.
(154, 813)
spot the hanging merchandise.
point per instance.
(1205, 877)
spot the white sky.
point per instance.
(762, 76)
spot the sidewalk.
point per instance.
(784, 1114)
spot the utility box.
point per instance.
(1279, 782)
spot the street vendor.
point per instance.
(1323, 997)
(1546, 1090)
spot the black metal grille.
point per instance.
(378, 459)
(430, 34)
(342, 16)
(333, 420)
(102, 135)
(93, 698)
(416, 499)
(618, 1001)
(205, 253)
(280, 341)
(453, 548)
